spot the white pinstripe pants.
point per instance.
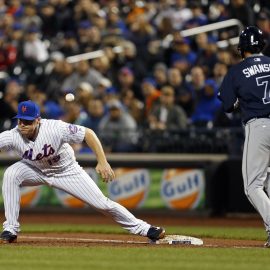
(74, 181)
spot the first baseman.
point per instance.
(247, 85)
(48, 159)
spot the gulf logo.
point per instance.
(30, 195)
(70, 201)
(182, 188)
(130, 188)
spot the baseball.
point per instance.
(69, 97)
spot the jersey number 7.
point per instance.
(264, 81)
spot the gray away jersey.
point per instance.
(50, 152)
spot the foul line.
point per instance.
(114, 241)
(89, 240)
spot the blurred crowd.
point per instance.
(144, 76)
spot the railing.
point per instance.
(212, 27)
(193, 140)
(91, 55)
(167, 40)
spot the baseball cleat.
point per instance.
(8, 237)
(155, 233)
(267, 243)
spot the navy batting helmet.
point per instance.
(251, 40)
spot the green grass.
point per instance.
(207, 232)
(119, 258)
(133, 257)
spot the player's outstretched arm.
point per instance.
(103, 167)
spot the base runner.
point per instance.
(246, 85)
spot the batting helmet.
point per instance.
(251, 40)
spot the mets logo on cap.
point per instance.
(182, 188)
(130, 188)
(24, 109)
(28, 110)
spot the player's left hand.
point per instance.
(106, 172)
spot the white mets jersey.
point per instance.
(50, 152)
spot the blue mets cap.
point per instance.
(28, 110)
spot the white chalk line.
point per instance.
(89, 240)
(115, 241)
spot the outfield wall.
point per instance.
(182, 182)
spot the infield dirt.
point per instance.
(89, 239)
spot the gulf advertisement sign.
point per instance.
(30, 195)
(70, 201)
(182, 188)
(130, 188)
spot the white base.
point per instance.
(174, 239)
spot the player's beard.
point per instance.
(29, 132)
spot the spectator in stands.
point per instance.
(3, 7)
(54, 78)
(206, 53)
(34, 48)
(133, 106)
(182, 13)
(155, 54)
(49, 25)
(219, 71)
(183, 96)
(8, 54)
(224, 56)
(8, 104)
(151, 95)
(101, 89)
(166, 115)
(95, 112)
(84, 93)
(204, 93)
(64, 16)
(118, 130)
(83, 10)
(182, 57)
(127, 81)
(73, 113)
(16, 36)
(217, 11)
(89, 36)
(198, 17)
(241, 10)
(30, 17)
(165, 27)
(99, 20)
(179, 13)
(15, 8)
(160, 75)
(102, 65)
(111, 93)
(263, 23)
(83, 73)
(129, 58)
(141, 32)
(69, 45)
(115, 24)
